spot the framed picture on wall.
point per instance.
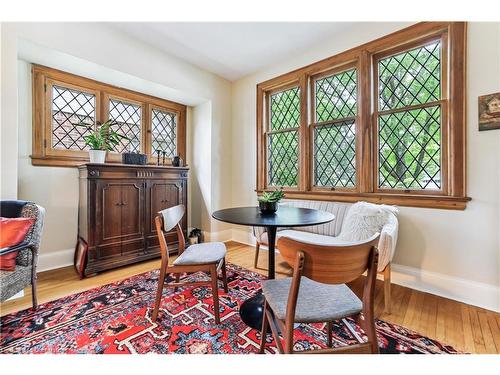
(489, 112)
(80, 259)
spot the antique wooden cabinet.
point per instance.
(117, 207)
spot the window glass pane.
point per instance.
(71, 107)
(336, 96)
(410, 149)
(285, 109)
(334, 154)
(410, 78)
(127, 117)
(283, 158)
(163, 132)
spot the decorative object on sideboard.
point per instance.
(177, 161)
(158, 152)
(101, 139)
(80, 258)
(268, 202)
(195, 236)
(489, 111)
(134, 158)
(163, 157)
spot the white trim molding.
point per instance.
(56, 259)
(455, 288)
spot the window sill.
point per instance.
(405, 200)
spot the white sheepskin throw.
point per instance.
(364, 220)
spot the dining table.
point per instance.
(251, 310)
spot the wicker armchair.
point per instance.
(12, 282)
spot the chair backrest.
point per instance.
(332, 264)
(172, 216)
(168, 219)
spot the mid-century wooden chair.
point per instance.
(317, 292)
(207, 257)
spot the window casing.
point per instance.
(355, 144)
(61, 101)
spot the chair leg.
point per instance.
(224, 275)
(256, 260)
(159, 293)
(387, 289)
(33, 291)
(177, 278)
(371, 332)
(289, 338)
(329, 330)
(263, 331)
(215, 292)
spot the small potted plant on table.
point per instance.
(100, 140)
(268, 202)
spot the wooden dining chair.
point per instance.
(317, 292)
(206, 257)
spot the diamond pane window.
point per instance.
(71, 107)
(285, 109)
(163, 132)
(283, 156)
(410, 149)
(336, 96)
(410, 78)
(127, 117)
(335, 155)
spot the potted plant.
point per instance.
(268, 202)
(100, 140)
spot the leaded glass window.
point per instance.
(127, 121)
(282, 138)
(335, 130)
(409, 119)
(72, 109)
(163, 132)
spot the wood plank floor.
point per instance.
(463, 326)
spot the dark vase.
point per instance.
(177, 161)
(268, 207)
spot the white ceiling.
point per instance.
(231, 50)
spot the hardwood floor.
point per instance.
(463, 326)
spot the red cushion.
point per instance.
(12, 232)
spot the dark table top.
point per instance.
(284, 217)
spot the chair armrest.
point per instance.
(387, 242)
(20, 246)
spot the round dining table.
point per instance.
(251, 311)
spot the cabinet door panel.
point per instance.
(132, 215)
(163, 194)
(109, 218)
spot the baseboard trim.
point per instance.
(222, 236)
(56, 259)
(455, 288)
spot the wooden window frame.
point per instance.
(268, 131)
(453, 193)
(42, 152)
(313, 124)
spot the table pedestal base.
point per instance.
(252, 311)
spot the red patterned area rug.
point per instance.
(116, 318)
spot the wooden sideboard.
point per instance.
(117, 207)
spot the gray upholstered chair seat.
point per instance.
(14, 281)
(203, 253)
(317, 302)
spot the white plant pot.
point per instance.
(97, 156)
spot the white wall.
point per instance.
(98, 52)
(438, 250)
